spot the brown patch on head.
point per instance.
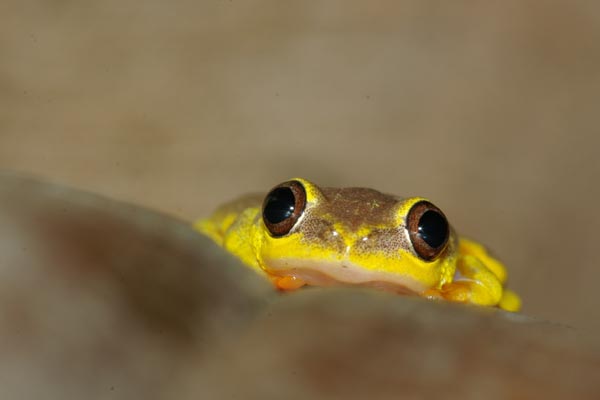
(357, 207)
(320, 230)
(388, 240)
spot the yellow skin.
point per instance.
(328, 246)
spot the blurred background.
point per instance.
(490, 110)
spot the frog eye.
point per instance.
(283, 206)
(428, 230)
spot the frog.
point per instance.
(300, 234)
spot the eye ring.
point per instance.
(428, 230)
(283, 206)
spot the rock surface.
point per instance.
(104, 300)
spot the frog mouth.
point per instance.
(320, 273)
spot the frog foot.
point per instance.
(458, 292)
(288, 282)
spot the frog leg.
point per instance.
(473, 283)
(479, 279)
(466, 246)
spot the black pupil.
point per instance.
(433, 228)
(280, 205)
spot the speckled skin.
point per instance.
(357, 236)
(350, 210)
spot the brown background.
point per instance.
(490, 110)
